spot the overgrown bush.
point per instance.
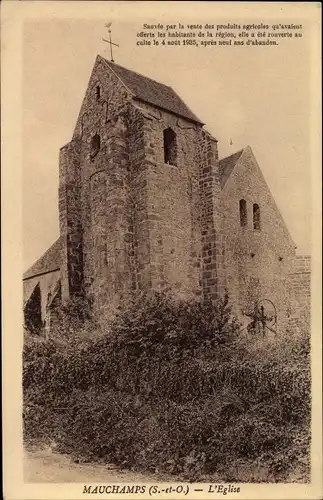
(74, 319)
(173, 386)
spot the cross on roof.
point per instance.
(109, 41)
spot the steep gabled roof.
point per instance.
(49, 261)
(148, 90)
(226, 166)
(230, 163)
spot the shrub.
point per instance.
(74, 320)
(173, 387)
(161, 320)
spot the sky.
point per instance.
(254, 96)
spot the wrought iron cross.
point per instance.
(109, 41)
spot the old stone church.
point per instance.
(144, 200)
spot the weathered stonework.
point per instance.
(70, 220)
(258, 263)
(301, 292)
(130, 222)
(143, 223)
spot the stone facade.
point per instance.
(145, 202)
(129, 221)
(301, 280)
(301, 291)
(258, 261)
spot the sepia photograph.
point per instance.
(166, 185)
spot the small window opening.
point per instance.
(256, 217)
(170, 147)
(97, 92)
(243, 213)
(95, 145)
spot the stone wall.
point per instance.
(181, 205)
(301, 288)
(101, 187)
(171, 220)
(70, 222)
(211, 258)
(130, 221)
(258, 262)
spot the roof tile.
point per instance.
(226, 165)
(49, 261)
(152, 92)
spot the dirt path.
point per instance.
(44, 466)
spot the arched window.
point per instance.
(170, 147)
(97, 92)
(243, 213)
(95, 145)
(256, 217)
